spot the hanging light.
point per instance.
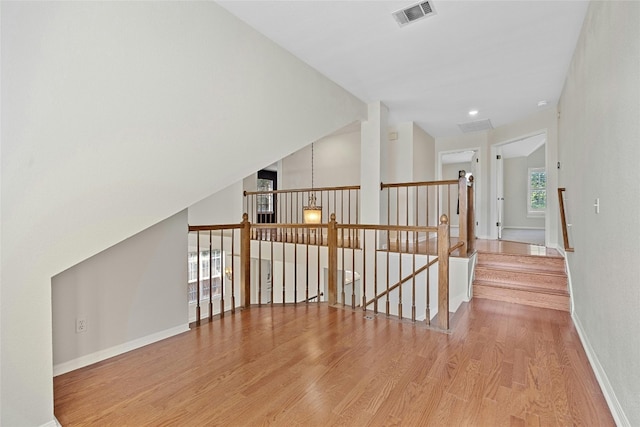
(311, 213)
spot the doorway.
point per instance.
(520, 193)
(450, 165)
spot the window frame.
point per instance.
(533, 212)
(217, 268)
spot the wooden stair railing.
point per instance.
(563, 218)
(287, 206)
(416, 202)
(358, 261)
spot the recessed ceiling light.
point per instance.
(542, 103)
(473, 112)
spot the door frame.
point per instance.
(496, 149)
(477, 183)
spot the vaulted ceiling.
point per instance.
(498, 57)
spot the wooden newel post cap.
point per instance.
(471, 178)
(245, 217)
(333, 217)
(444, 219)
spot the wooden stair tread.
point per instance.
(524, 270)
(521, 287)
(522, 274)
(517, 296)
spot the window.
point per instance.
(213, 259)
(266, 204)
(537, 192)
(265, 201)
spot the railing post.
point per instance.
(471, 218)
(332, 243)
(245, 261)
(443, 273)
(463, 223)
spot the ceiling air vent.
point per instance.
(413, 13)
(475, 126)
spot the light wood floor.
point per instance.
(503, 364)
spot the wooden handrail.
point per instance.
(303, 190)
(417, 184)
(216, 227)
(295, 225)
(381, 227)
(456, 246)
(332, 293)
(406, 279)
(565, 231)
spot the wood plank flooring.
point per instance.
(503, 364)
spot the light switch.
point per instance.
(597, 206)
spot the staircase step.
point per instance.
(529, 277)
(500, 292)
(520, 287)
(518, 262)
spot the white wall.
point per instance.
(478, 141)
(543, 121)
(484, 180)
(424, 155)
(599, 134)
(112, 116)
(222, 207)
(130, 291)
(515, 171)
(336, 163)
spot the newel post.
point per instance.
(332, 243)
(443, 273)
(245, 261)
(471, 218)
(463, 221)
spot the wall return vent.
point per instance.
(414, 13)
(475, 126)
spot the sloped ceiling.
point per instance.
(499, 57)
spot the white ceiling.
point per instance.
(500, 57)
(523, 147)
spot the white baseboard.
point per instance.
(89, 359)
(614, 405)
(53, 423)
(515, 227)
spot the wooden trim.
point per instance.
(303, 190)
(443, 273)
(463, 212)
(245, 262)
(418, 184)
(406, 279)
(216, 227)
(471, 218)
(563, 218)
(332, 242)
(456, 246)
(417, 228)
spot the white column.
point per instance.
(373, 140)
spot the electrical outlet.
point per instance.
(81, 325)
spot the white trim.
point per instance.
(562, 252)
(515, 227)
(53, 423)
(89, 359)
(607, 390)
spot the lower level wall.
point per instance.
(129, 295)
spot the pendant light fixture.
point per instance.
(311, 213)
